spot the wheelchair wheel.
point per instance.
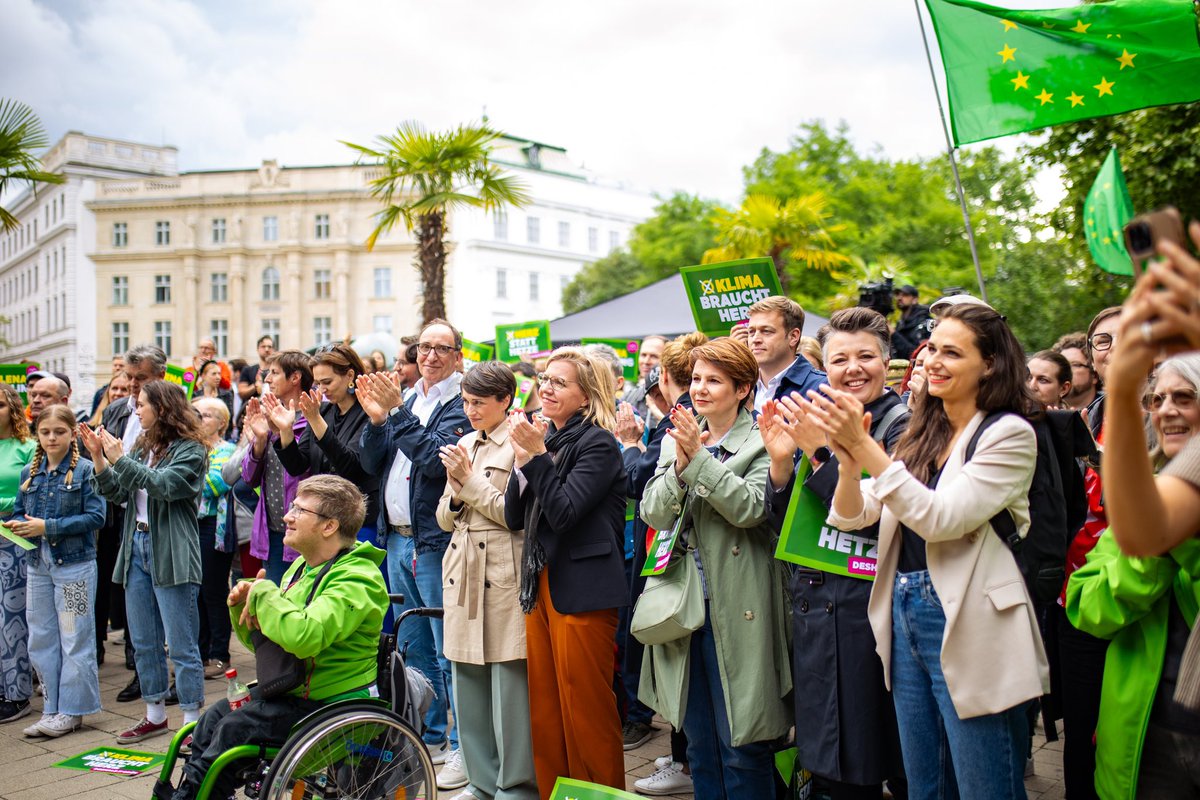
(361, 751)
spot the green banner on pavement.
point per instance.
(184, 377)
(14, 375)
(476, 353)
(806, 540)
(522, 339)
(721, 294)
(571, 789)
(114, 760)
(626, 351)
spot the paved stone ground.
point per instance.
(26, 771)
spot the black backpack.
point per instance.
(1057, 500)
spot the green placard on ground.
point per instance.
(627, 351)
(476, 353)
(721, 294)
(184, 377)
(114, 760)
(14, 375)
(570, 789)
(522, 339)
(806, 540)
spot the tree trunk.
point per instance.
(430, 262)
(781, 268)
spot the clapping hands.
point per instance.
(687, 435)
(528, 438)
(378, 393)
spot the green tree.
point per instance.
(426, 175)
(21, 134)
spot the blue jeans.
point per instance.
(719, 770)
(946, 757)
(62, 633)
(274, 564)
(420, 581)
(158, 615)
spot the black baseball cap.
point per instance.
(908, 289)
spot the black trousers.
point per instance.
(110, 597)
(215, 628)
(1081, 661)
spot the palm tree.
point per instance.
(793, 233)
(427, 174)
(21, 134)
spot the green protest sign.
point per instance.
(808, 541)
(114, 760)
(626, 351)
(524, 391)
(14, 375)
(184, 377)
(528, 339)
(721, 294)
(571, 789)
(476, 353)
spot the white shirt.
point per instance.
(398, 511)
(766, 391)
(133, 429)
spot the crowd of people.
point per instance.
(1017, 574)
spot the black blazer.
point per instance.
(338, 452)
(582, 524)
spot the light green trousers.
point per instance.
(492, 702)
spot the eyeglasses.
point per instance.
(559, 384)
(1100, 341)
(1182, 399)
(424, 348)
(296, 510)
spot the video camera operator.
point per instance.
(913, 327)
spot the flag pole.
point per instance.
(962, 200)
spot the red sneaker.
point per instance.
(143, 730)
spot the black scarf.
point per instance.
(534, 558)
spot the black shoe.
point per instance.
(186, 791)
(12, 710)
(131, 692)
(129, 662)
(172, 698)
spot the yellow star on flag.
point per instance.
(1106, 240)
(1076, 100)
(1021, 81)
(1104, 87)
(1007, 53)
(1048, 25)
(1045, 97)
(1126, 59)
(1008, 25)
(1081, 26)
(1092, 222)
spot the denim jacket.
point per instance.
(73, 513)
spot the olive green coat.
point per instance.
(748, 606)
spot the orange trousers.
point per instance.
(572, 708)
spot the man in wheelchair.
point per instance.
(336, 635)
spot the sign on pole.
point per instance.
(522, 339)
(627, 351)
(721, 294)
(475, 353)
(184, 377)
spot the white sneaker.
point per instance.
(59, 725)
(34, 730)
(454, 772)
(670, 779)
(440, 752)
(663, 761)
(465, 794)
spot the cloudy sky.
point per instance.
(665, 94)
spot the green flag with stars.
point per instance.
(1010, 70)
(1105, 213)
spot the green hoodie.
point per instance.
(338, 632)
(1127, 600)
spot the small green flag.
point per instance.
(1010, 70)
(1105, 213)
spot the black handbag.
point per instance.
(279, 671)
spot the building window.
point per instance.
(614, 240)
(382, 323)
(120, 338)
(218, 331)
(270, 284)
(564, 234)
(270, 327)
(97, 148)
(322, 330)
(501, 283)
(219, 283)
(383, 282)
(162, 233)
(270, 229)
(120, 291)
(162, 335)
(218, 231)
(500, 225)
(162, 288)
(321, 229)
(593, 240)
(120, 234)
(533, 230)
(322, 284)
(534, 288)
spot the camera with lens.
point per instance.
(876, 296)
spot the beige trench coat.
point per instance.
(481, 569)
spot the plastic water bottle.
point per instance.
(237, 692)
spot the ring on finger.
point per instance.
(1147, 332)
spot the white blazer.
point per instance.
(992, 654)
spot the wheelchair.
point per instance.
(365, 749)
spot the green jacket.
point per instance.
(172, 488)
(1127, 600)
(748, 606)
(339, 631)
